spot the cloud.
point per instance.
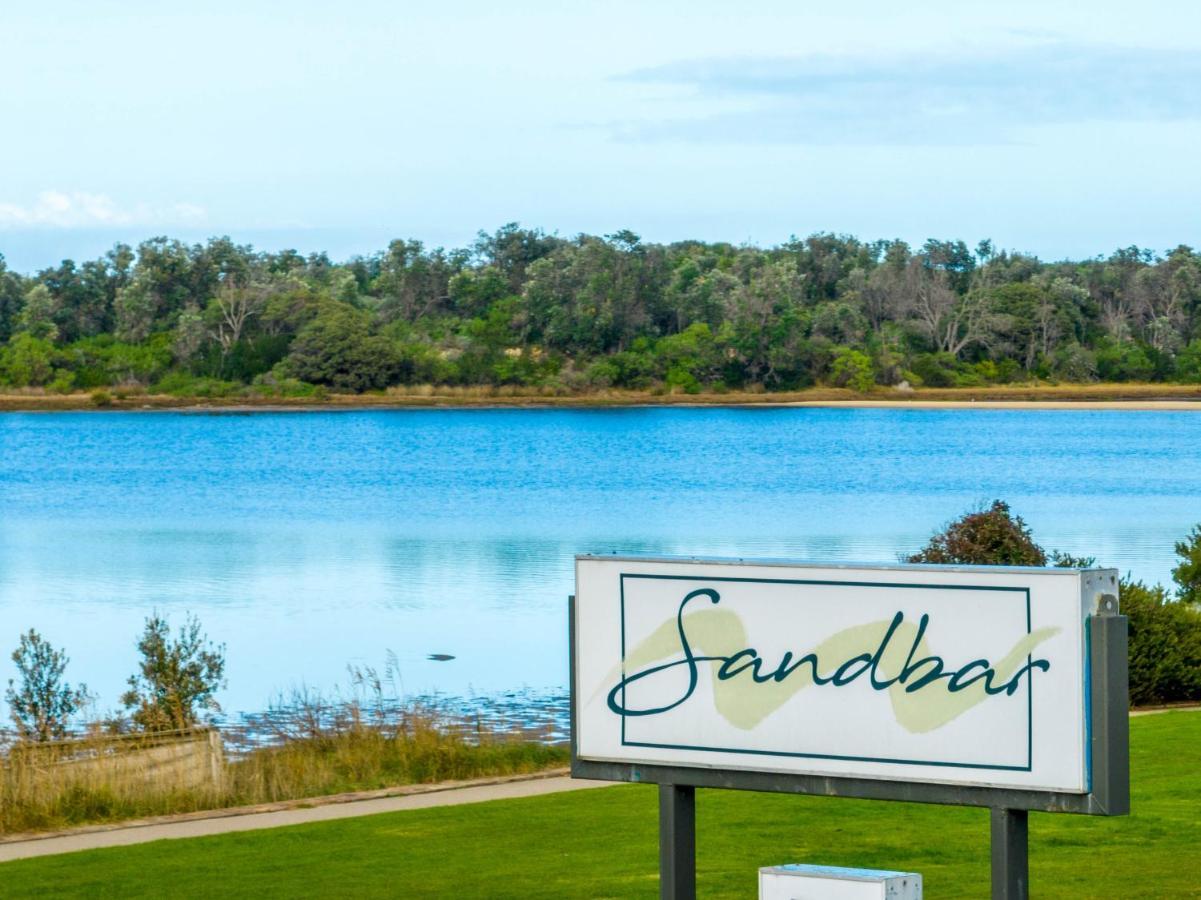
(936, 98)
(59, 209)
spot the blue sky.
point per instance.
(1065, 129)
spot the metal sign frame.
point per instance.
(1109, 752)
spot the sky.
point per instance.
(1065, 129)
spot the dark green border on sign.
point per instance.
(868, 759)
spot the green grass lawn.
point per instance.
(603, 844)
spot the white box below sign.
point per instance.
(833, 883)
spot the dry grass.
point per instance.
(516, 396)
(105, 778)
(366, 759)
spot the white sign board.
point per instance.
(951, 675)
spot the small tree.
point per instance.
(1187, 575)
(853, 369)
(985, 537)
(176, 678)
(43, 704)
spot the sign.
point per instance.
(975, 677)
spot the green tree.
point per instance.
(690, 359)
(136, 307)
(37, 316)
(840, 322)
(177, 677)
(27, 361)
(84, 294)
(12, 299)
(338, 349)
(41, 703)
(1187, 574)
(414, 282)
(768, 321)
(473, 291)
(511, 250)
(1075, 363)
(1123, 361)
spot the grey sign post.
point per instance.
(1108, 794)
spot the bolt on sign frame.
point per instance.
(990, 686)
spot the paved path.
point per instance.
(90, 839)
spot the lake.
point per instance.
(308, 541)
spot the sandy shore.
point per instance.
(1130, 405)
(1074, 397)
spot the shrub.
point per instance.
(1165, 645)
(27, 361)
(1075, 363)
(986, 371)
(181, 384)
(602, 373)
(1165, 635)
(269, 385)
(681, 379)
(992, 536)
(1122, 361)
(936, 369)
(63, 382)
(1188, 363)
(852, 369)
(635, 367)
(101, 361)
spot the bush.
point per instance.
(936, 369)
(1121, 361)
(102, 361)
(1165, 645)
(986, 537)
(1165, 634)
(602, 373)
(181, 384)
(27, 361)
(635, 367)
(681, 379)
(1075, 363)
(269, 385)
(1188, 363)
(63, 382)
(852, 369)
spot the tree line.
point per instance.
(523, 307)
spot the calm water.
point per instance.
(309, 541)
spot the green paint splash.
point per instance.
(745, 703)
